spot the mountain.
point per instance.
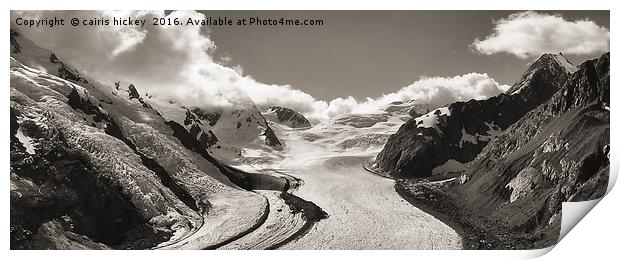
(366, 133)
(234, 135)
(96, 166)
(245, 126)
(287, 116)
(410, 108)
(443, 140)
(557, 152)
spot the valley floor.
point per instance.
(477, 232)
(365, 211)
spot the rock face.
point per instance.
(290, 118)
(74, 175)
(461, 130)
(555, 153)
(197, 129)
(133, 92)
(234, 135)
(210, 117)
(271, 139)
(15, 48)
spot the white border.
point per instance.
(596, 236)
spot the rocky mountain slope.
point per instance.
(442, 140)
(287, 116)
(234, 135)
(514, 189)
(95, 166)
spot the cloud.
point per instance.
(177, 62)
(529, 34)
(437, 91)
(434, 91)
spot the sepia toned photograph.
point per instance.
(313, 130)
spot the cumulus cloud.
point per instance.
(177, 62)
(434, 91)
(528, 34)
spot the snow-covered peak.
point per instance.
(564, 63)
(431, 119)
(551, 65)
(243, 126)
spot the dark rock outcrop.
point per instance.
(210, 117)
(53, 58)
(290, 118)
(15, 48)
(271, 139)
(68, 73)
(240, 178)
(65, 71)
(76, 101)
(133, 92)
(207, 139)
(461, 133)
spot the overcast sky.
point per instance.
(357, 62)
(366, 53)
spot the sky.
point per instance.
(356, 62)
(365, 53)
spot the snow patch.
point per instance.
(493, 132)
(467, 138)
(524, 83)
(562, 61)
(431, 119)
(448, 180)
(241, 127)
(26, 141)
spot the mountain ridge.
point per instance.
(511, 194)
(160, 192)
(463, 128)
